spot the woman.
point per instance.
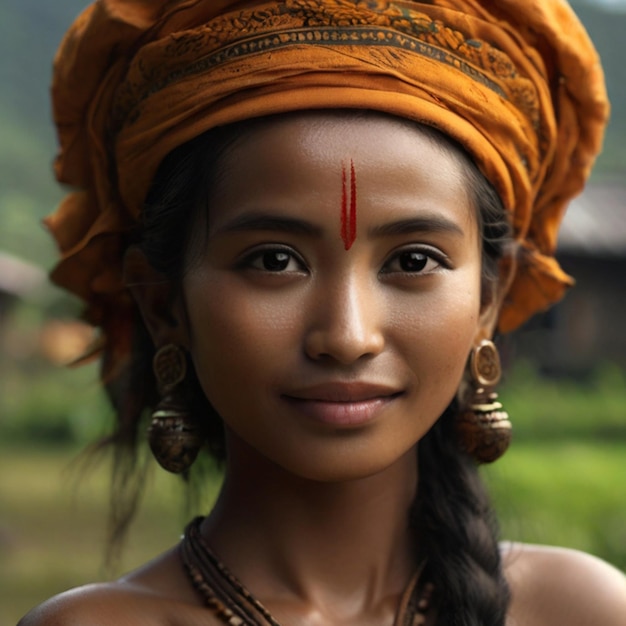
(299, 225)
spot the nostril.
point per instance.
(345, 347)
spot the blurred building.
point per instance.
(589, 326)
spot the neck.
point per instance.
(324, 544)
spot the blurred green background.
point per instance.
(563, 481)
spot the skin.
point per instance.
(331, 316)
(321, 471)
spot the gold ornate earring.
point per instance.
(484, 428)
(174, 437)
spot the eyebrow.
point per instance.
(434, 223)
(266, 221)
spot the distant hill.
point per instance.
(607, 31)
(30, 31)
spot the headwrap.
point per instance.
(516, 82)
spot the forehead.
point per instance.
(304, 155)
(319, 135)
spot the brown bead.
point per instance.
(486, 436)
(174, 438)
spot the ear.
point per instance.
(160, 303)
(492, 301)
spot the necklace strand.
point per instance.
(225, 595)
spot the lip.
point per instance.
(343, 404)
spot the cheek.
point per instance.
(234, 336)
(436, 333)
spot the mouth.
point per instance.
(343, 404)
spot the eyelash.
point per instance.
(257, 255)
(428, 255)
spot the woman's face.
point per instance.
(331, 313)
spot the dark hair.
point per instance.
(451, 514)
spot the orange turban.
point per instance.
(517, 82)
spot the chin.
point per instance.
(348, 462)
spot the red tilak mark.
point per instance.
(348, 214)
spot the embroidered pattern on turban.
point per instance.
(517, 82)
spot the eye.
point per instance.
(275, 260)
(414, 261)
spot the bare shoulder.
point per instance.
(101, 604)
(561, 586)
(155, 595)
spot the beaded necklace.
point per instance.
(234, 605)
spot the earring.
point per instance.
(174, 437)
(484, 428)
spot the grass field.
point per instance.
(564, 493)
(53, 525)
(53, 515)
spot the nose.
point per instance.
(345, 324)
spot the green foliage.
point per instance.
(564, 493)
(53, 523)
(548, 408)
(42, 403)
(51, 406)
(562, 481)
